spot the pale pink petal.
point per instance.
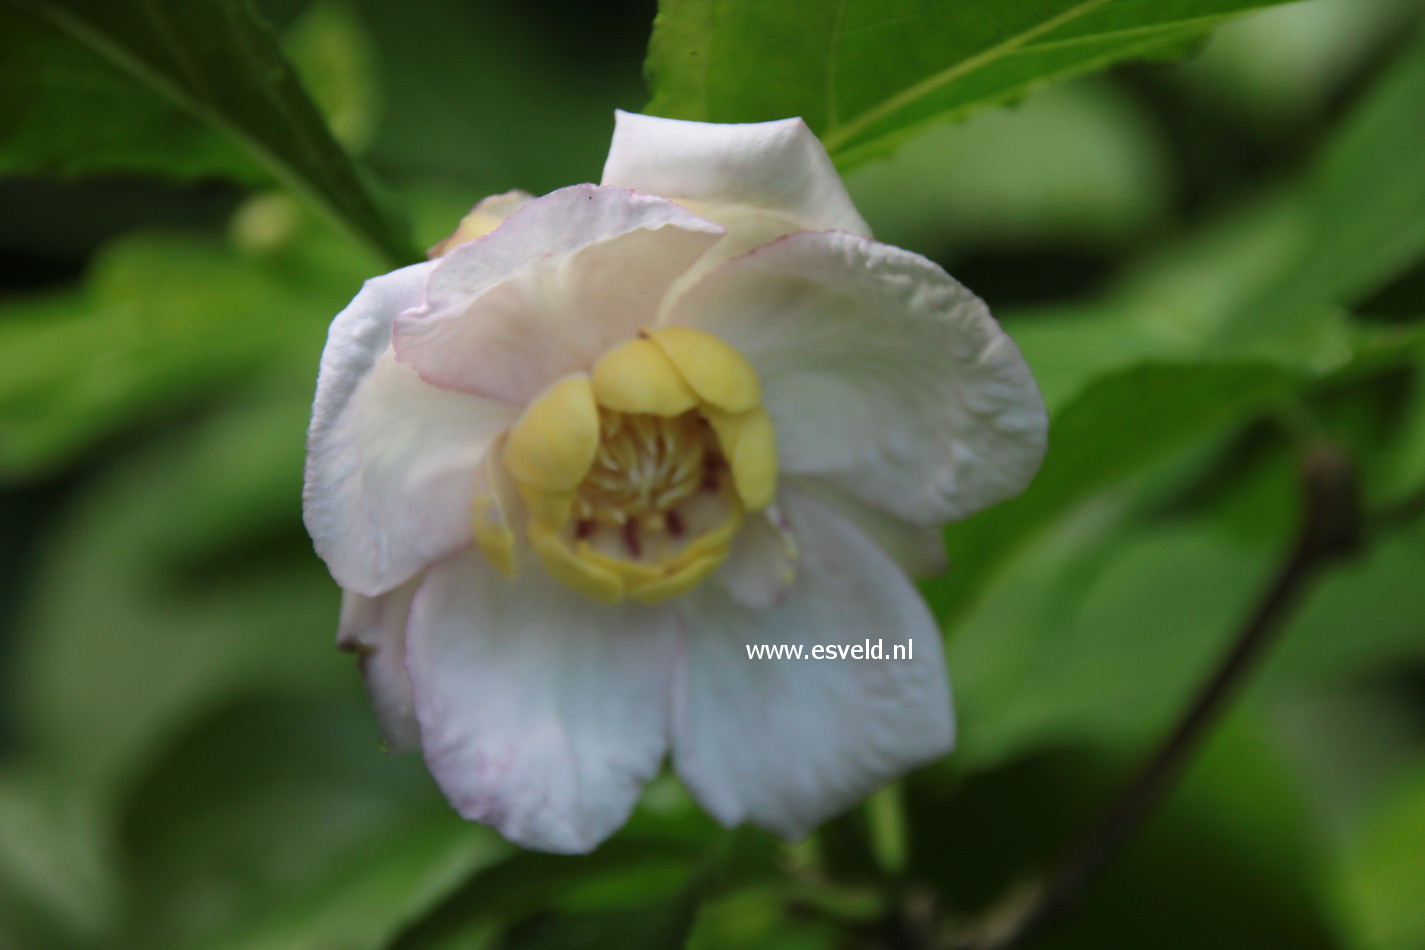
(883, 375)
(374, 628)
(541, 713)
(778, 167)
(389, 457)
(788, 743)
(549, 290)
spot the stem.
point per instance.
(1330, 530)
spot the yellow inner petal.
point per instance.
(552, 445)
(637, 378)
(716, 372)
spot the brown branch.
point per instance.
(1330, 530)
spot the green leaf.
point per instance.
(69, 111)
(866, 73)
(1362, 215)
(56, 883)
(1095, 622)
(1268, 281)
(275, 821)
(1078, 164)
(1381, 889)
(124, 587)
(1236, 839)
(1116, 427)
(160, 322)
(370, 899)
(220, 60)
(1128, 604)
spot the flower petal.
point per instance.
(540, 714)
(374, 628)
(486, 216)
(549, 290)
(787, 743)
(389, 458)
(918, 549)
(778, 167)
(762, 565)
(883, 375)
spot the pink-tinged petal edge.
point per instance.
(389, 457)
(550, 290)
(540, 713)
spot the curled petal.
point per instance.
(778, 167)
(787, 743)
(750, 445)
(538, 715)
(548, 291)
(884, 376)
(637, 377)
(715, 371)
(554, 440)
(389, 457)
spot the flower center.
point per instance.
(635, 477)
(645, 466)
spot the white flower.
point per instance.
(567, 471)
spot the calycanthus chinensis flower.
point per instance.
(570, 469)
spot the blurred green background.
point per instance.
(1210, 263)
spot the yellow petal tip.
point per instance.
(719, 374)
(636, 377)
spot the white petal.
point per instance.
(389, 457)
(549, 290)
(918, 549)
(778, 167)
(786, 744)
(883, 375)
(763, 561)
(541, 713)
(374, 628)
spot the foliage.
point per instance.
(1210, 263)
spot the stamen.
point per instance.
(630, 539)
(644, 466)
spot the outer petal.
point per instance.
(374, 628)
(389, 458)
(883, 375)
(540, 714)
(549, 290)
(778, 167)
(787, 743)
